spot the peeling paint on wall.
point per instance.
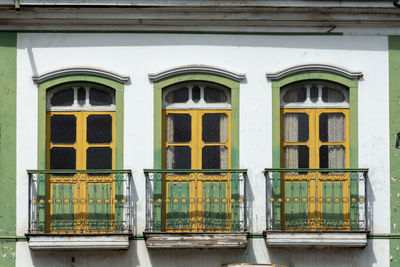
(7, 253)
(8, 70)
(394, 106)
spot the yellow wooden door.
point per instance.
(196, 139)
(80, 202)
(315, 200)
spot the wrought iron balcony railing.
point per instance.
(79, 201)
(195, 200)
(316, 199)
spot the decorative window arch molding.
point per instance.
(315, 68)
(197, 73)
(84, 75)
(314, 72)
(155, 77)
(80, 71)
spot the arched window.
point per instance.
(81, 127)
(315, 134)
(204, 95)
(196, 181)
(81, 136)
(197, 135)
(315, 125)
(196, 126)
(80, 184)
(81, 96)
(314, 182)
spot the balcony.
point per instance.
(75, 209)
(196, 209)
(316, 207)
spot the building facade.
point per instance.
(180, 133)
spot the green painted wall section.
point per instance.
(394, 122)
(157, 126)
(119, 113)
(8, 118)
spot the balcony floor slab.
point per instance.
(195, 240)
(316, 239)
(60, 242)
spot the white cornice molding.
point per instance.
(80, 71)
(232, 16)
(57, 242)
(333, 239)
(154, 77)
(195, 3)
(315, 67)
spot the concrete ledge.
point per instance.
(316, 239)
(196, 240)
(42, 242)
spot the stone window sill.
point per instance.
(195, 240)
(60, 242)
(315, 239)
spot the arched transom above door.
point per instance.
(196, 95)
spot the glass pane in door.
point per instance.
(99, 129)
(332, 127)
(295, 157)
(99, 158)
(295, 127)
(215, 128)
(178, 128)
(62, 158)
(178, 157)
(63, 129)
(333, 157)
(214, 157)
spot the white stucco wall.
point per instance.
(138, 255)
(137, 55)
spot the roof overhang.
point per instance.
(191, 15)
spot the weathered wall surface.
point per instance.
(8, 57)
(256, 251)
(137, 55)
(394, 97)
